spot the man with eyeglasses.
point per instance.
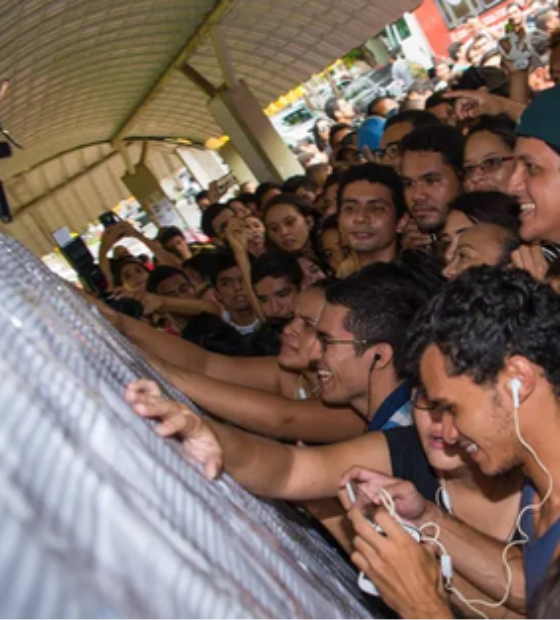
(396, 128)
(352, 346)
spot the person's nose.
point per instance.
(238, 285)
(316, 352)
(450, 252)
(417, 194)
(517, 183)
(450, 270)
(360, 216)
(450, 434)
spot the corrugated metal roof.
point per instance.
(81, 70)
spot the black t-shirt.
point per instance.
(409, 461)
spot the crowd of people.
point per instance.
(378, 340)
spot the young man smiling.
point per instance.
(370, 212)
(536, 179)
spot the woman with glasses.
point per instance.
(489, 161)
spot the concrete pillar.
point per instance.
(146, 189)
(236, 164)
(252, 134)
(204, 165)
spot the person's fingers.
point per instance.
(392, 528)
(344, 499)
(359, 561)
(365, 531)
(142, 387)
(540, 265)
(517, 259)
(362, 474)
(173, 425)
(159, 407)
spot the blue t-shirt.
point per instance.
(395, 411)
(538, 553)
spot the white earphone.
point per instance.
(515, 385)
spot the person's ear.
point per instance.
(310, 221)
(382, 353)
(520, 379)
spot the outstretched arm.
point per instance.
(269, 414)
(264, 467)
(260, 373)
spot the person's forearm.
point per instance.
(169, 349)
(259, 465)
(245, 265)
(269, 414)
(478, 558)
(188, 307)
(513, 109)
(163, 256)
(105, 267)
(519, 90)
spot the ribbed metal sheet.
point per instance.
(99, 517)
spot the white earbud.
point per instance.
(515, 385)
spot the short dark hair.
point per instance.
(501, 126)
(382, 300)
(334, 178)
(263, 189)
(375, 173)
(330, 223)
(487, 315)
(489, 208)
(166, 233)
(160, 274)
(221, 261)
(335, 129)
(370, 110)
(436, 99)
(448, 141)
(201, 195)
(416, 118)
(331, 106)
(212, 212)
(276, 264)
(493, 79)
(298, 181)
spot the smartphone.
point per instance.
(109, 218)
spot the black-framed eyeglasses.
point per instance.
(391, 151)
(325, 341)
(420, 399)
(491, 164)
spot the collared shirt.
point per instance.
(394, 411)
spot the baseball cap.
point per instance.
(540, 119)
